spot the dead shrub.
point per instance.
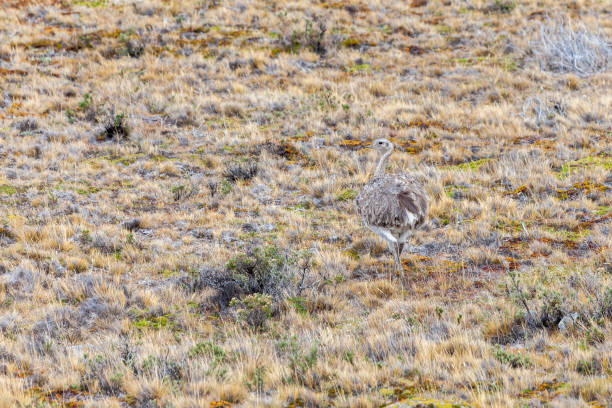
(241, 172)
(232, 110)
(313, 36)
(563, 48)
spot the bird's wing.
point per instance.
(408, 201)
(393, 201)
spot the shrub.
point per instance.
(241, 172)
(580, 300)
(552, 310)
(163, 367)
(499, 6)
(592, 366)
(101, 374)
(213, 186)
(606, 303)
(103, 242)
(182, 192)
(255, 283)
(300, 360)
(209, 349)
(539, 112)
(115, 127)
(313, 36)
(263, 270)
(26, 125)
(254, 309)
(561, 48)
(514, 360)
(214, 353)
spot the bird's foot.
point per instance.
(399, 269)
(409, 262)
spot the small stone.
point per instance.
(7, 324)
(187, 51)
(227, 237)
(268, 227)
(57, 269)
(277, 106)
(608, 181)
(260, 189)
(567, 322)
(181, 224)
(261, 192)
(318, 142)
(21, 278)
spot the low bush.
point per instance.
(255, 283)
(115, 128)
(577, 302)
(562, 48)
(241, 172)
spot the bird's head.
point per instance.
(382, 145)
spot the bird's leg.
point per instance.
(398, 261)
(392, 248)
(401, 247)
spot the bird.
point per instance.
(392, 205)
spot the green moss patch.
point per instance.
(347, 194)
(8, 190)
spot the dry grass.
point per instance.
(177, 225)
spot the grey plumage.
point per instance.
(393, 201)
(392, 205)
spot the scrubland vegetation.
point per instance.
(177, 224)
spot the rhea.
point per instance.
(392, 205)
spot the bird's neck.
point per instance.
(382, 164)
